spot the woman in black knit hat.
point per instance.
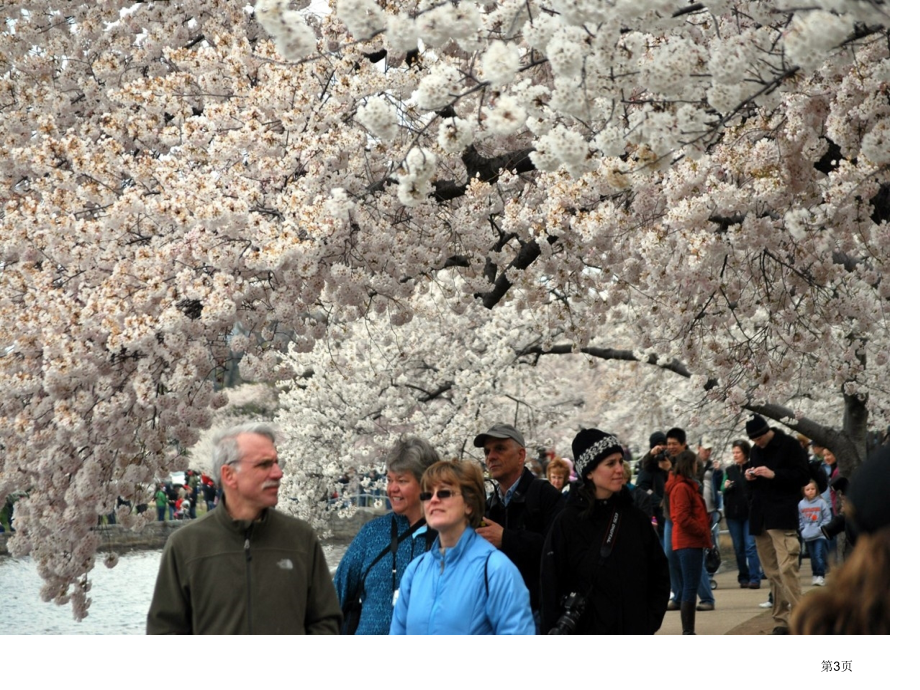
(604, 572)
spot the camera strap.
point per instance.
(613, 528)
(610, 538)
(570, 614)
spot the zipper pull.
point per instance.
(246, 549)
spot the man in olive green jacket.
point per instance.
(245, 568)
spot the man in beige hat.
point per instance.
(521, 509)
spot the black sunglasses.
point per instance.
(442, 494)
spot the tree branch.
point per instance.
(674, 366)
(489, 169)
(842, 442)
(431, 395)
(528, 253)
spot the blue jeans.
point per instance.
(817, 553)
(690, 564)
(703, 589)
(745, 550)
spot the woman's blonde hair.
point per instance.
(463, 475)
(857, 600)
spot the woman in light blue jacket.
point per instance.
(463, 585)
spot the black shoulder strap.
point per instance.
(609, 539)
(384, 552)
(392, 546)
(610, 536)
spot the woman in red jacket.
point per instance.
(690, 535)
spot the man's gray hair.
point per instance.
(226, 450)
(411, 454)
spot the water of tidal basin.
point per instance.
(121, 596)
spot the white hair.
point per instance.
(226, 450)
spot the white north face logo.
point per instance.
(285, 564)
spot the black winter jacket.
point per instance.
(737, 496)
(651, 480)
(628, 591)
(527, 519)
(775, 502)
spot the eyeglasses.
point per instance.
(262, 465)
(442, 494)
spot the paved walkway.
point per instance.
(737, 611)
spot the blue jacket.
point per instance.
(446, 595)
(375, 536)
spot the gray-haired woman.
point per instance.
(368, 576)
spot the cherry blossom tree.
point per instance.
(369, 381)
(444, 376)
(448, 377)
(187, 184)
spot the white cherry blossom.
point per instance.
(702, 190)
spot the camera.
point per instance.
(572, 608)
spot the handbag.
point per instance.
(713, 560)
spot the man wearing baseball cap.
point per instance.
(778, 471)
(522, 508)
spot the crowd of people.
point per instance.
(583, 551)
(180, 500)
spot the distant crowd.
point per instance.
(180, 501)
